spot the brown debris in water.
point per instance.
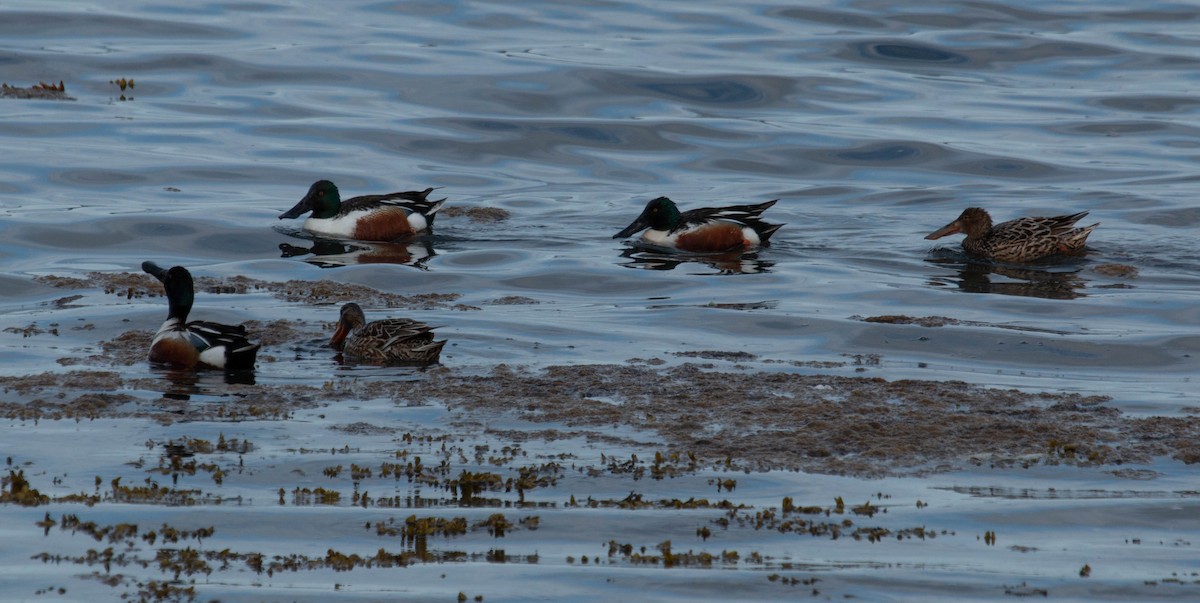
(1117, 270)
(31, 330)
(131, 284)
(85, 380)
(89, 395)
(719, 355)
(128, 284)
(127, 348)
(514, 300)
(476, 214)
(280, 332)
(899, 319)
(38, 91)
(822, 423)
(817, 423)
(761, 420)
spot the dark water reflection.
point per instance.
(650, 258)
(974, 276)
(327, 253)
(185, 384)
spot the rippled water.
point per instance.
(874, 123)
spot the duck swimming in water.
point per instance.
(367, 218)
(704, 230)
(196, 344)
(387, 341)
(1020, 240)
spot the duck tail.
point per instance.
(765, 231)
(1078, 237)
(431, 212)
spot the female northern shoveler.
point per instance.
(1020, 240)
(387, 341)
(706, 230)
(183, 344)
(366, 218)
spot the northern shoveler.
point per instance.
(387, 341)
(366, 218)
(1020, 240)
(706, 230)
(196, 344)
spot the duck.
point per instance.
(1020, 240)
(384, 217)
(387, 341)
(703, 230)
(196, 344)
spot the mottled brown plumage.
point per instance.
(1020, 240)
(387, 341)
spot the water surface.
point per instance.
(872, 123)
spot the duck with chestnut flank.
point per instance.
(703, 230)
(387, 341)
(1020, 240)
(195, 344)
(366, 218)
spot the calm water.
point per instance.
(874, 123)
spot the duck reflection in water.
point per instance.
(735, 262)
(182, 384)
(328, 253)
(1054, 281)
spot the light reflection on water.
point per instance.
(873, 123)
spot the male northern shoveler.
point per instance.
(706, 230)
(387, 341)
(199, 343)
(1020, 240)
(366, 218)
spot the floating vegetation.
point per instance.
(670, 465)
(1117, 270)
(924, 321)
(172, 460)
(784, 520)
(315, 496)
(132, 285)
(514, 300)
(38, 91)
(476, 214)
(15, 489)
(31, 330)
(866, 509)
(706, 427)
(1024, 590)
(794, 581)
(193, 560)
(126, 85)
(666, 556)
(718, 355)
(638, 501)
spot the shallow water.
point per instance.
(873, 123)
